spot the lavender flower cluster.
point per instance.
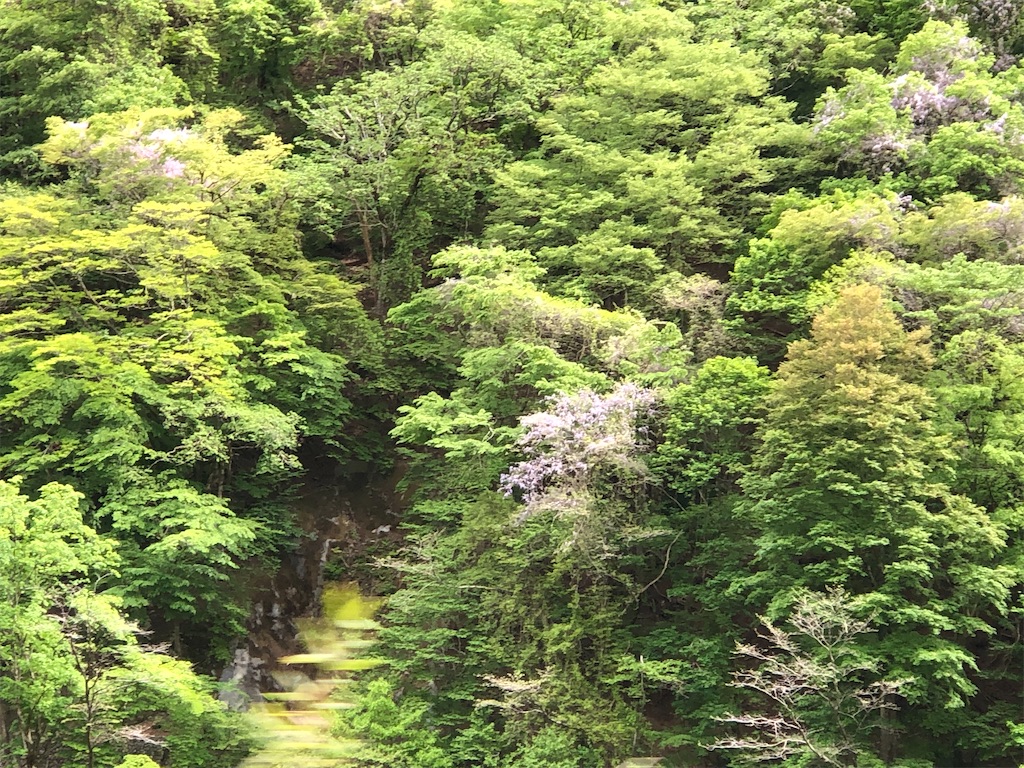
(153, 150)
(997, 21)
(577, 435)
(880, 153)
(932, 106)
(999, 16)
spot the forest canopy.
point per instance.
(665, 358)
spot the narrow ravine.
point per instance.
(340, 520)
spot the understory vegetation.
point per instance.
(694, 330)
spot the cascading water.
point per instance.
(332, 516)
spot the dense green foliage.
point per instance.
(695, 331)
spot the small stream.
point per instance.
(338, 519)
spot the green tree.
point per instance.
(806, 44)
(826, 697)
(72, 59)
(942, 120)
(397, 160)
(649, 166)
(850, 488)
(153, 353)
(75, 684)
(704, 443)
(708, 435)
(47, 551)
(805, 237)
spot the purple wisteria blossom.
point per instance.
(995, 21)
(999, 19)
(931, 92)
(153, 153)
(577, 437)
(931, 106)
(173, 168)
(937, 63)
(142, 151)
(832, 111)
(881, 153)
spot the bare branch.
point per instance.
(810, 674)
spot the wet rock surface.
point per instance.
(336, 519)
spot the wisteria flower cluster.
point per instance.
(153, 150)
(881, 153)
(938, 61)
(994, 20)
(1000, 17)
(931, 105)
(579, 435)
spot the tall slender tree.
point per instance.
(849, 488)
